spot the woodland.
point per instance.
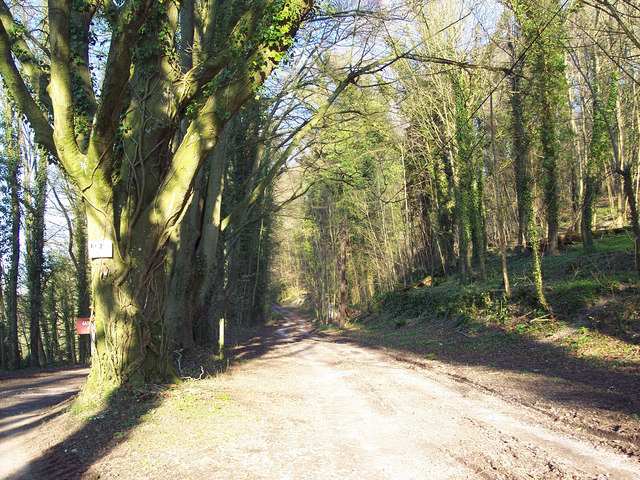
(342, 154)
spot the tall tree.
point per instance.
(520, 148)
(135, 143)
(502, 236)
(599, 150)
(470, 186)
(4, 343)
(80, 259)
(35, 199)
(343, 275)
(73, 211)
(13, 160)
(542, 26)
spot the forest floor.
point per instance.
(297, 403)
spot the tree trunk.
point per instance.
(343, 276)
(47, 341)
(53, 319)
(69, 328)
(550, 153)
(127, 316)
(631, 199)
(83, 299)
(502, 238)
(574, 176)
(586, 223)
(4, 358)
(466, 179)
(520, 146)
(12, 281)
(196, 241)
(35, 199)
(478, 224)
(537, 266)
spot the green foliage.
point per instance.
(571, 296)
(353, 175)
(575, 282)
(449, 301)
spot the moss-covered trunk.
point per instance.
(135, 143)
(129, 342)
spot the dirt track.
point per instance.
(302, 407)
(28, 400)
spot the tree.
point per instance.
(520, 150)
(343, 275)
(74, 213)
(13, 163)
(80, 262)
(4, 343)
(599, 150)
(134, 144)
(543, 32)
(34, 200)
(470, 186)
(499, 205)
(353, 185)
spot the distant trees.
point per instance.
(546, 156)
(12, 163)
(35, 192)
(38, 321)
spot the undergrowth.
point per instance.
(594, 299)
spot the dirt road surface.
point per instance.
(26, 401)
(298, 406)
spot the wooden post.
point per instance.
(221, 339)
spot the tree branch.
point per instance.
(302, 131)
(455, 63)
(60, 88)
(21, 95)
(117, 73)
(33, 72)
(166, 209)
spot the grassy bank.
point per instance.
(595, 322)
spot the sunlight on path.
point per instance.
(312, 409)
(27, 402)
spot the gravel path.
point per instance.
(297, 406)
(302, 407)
(336, 411)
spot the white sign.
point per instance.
(101, 249)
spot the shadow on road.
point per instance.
(69, 459)
(551, 374)
(27, 397)
(125, 408)
(543, 371)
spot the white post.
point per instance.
(221, 339)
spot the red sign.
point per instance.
(83, 326)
